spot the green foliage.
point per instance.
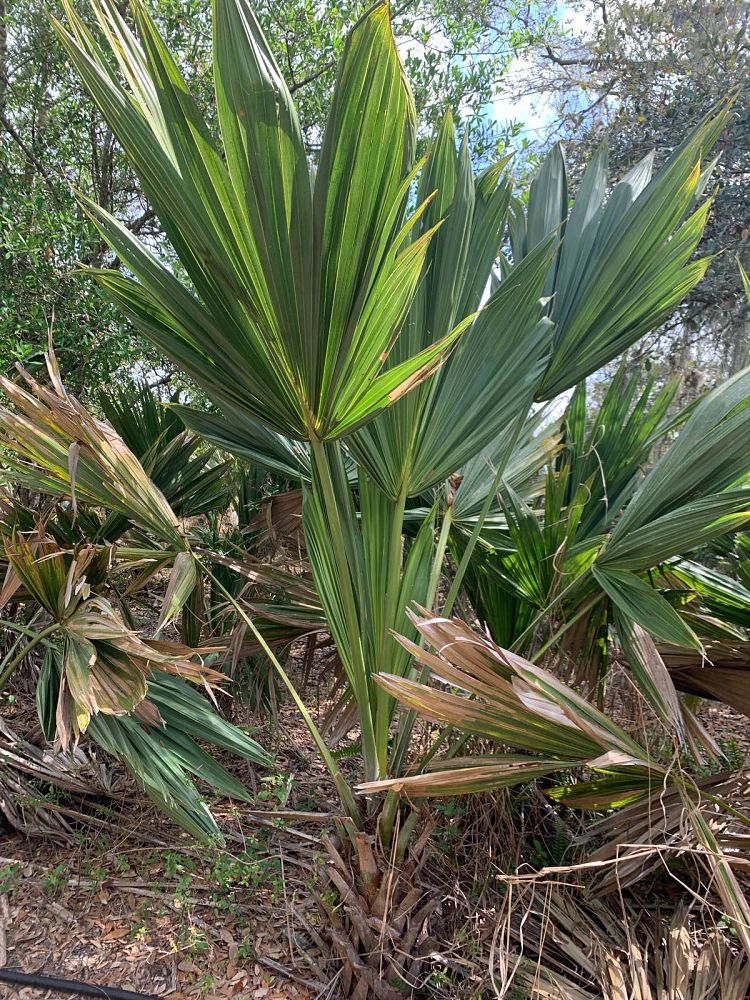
(341, 311)
(640, 76)
(47, 143)
(162, 758)
(625, 262)
(49, 140)
(305, 313)
(191, 476)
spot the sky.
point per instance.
(536, 112)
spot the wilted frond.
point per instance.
(659, 810)
(159, 740)
(513, 702)
(721, 672)
(104, 664)
(572, 947)
(56, 446)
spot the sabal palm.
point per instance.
(300, 282)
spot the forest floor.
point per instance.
(130, 900)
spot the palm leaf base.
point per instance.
(379, 914)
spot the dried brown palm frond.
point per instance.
(25, 769)
(54, 445)
(645, 834)
(279, 523)
(104, 665)
(562, 946)
(657, 810)
(721, 673)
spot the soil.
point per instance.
(132, 901)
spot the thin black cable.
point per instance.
(71, 986)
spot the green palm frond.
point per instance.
(299, 286)
(625, 259)
(189, 474)
(694, 494)
(163, 757)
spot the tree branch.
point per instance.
(9, 128)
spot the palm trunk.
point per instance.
(379, 912)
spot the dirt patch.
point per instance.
(132, 901)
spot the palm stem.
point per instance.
(437, 563)
(359, 679)
(345, 793)
(502, 461)
(392, 611)
(9, 669)
(466, 559)
(408, 719)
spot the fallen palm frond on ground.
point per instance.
(557, 945)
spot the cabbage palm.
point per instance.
(337, 316)
(297, 286)
(294, 324)
(315, 304)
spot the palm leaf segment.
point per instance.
(53, 444)
(105, 665)
(297, 287)
(190, 475)
(491, 376)
(624, 262)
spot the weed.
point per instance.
(206, 983)
(277, 788)
(97, 873)
(54, 879)
(8, 878)
(139, 931)
(245, 949)
(196, 942)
